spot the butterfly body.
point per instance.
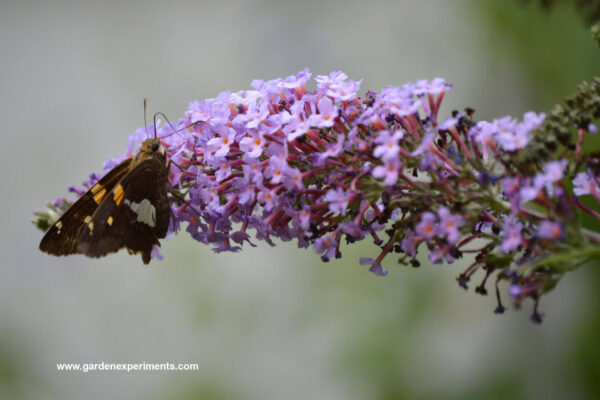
(127, 208)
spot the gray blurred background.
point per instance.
(266, 323)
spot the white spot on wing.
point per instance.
(144, 210)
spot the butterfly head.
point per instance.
(151, 148)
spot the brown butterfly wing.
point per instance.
(63, 236)
(134, 215)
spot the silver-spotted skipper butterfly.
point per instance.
(127, 208)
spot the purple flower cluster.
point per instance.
(324, 166)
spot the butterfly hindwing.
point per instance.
(63, 236)
(135, 214)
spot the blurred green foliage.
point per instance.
(553, 46)
(587, 350)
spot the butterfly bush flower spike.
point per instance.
(327, 167)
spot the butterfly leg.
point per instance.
(179, 197)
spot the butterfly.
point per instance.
(127, 208)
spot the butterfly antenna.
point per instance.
(145, 121)
(171, 125)
(166, 119)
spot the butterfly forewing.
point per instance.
(63, 236)
(135, 214)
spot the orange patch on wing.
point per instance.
(96, 188)
(98, 197)
(118, 194)
(109, 221)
